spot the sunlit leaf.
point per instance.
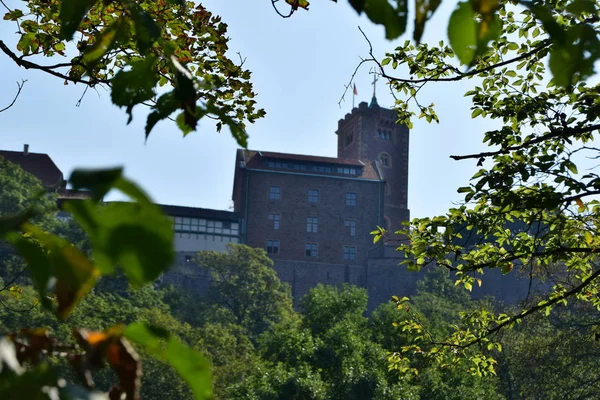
(189, 363)
(136, 236)
(462, 32)
(105, 41)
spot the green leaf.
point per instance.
(381, 12)
(37, 262)
(13, 15)
(105, 41)
(71, 14)
(146, 30)
(588, 237)
(135, 86)
(189, 364)
(164, 107)
(572, 60)
(137, 236)
(424, 10)
(506, 268)
(98, 182)
(571, 166)
(51, 256)
(579, 7)
(462, 32)
(182, 123)
(476, 112)
(472, 25)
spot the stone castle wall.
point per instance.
(382, 277)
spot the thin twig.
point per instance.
(292, 9)
(35, 303)
(20, 87)
(14, 279)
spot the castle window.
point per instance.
(275, 218)
(384, 159)
(311, 249)
(312, 224)
(274, 193)
(349, 138)
(313, 196)
(349, 253)
(272, 246)
(351, 199)
(384, 134)
(350, 223)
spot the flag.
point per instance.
(355, 92)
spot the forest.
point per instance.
(260, 347)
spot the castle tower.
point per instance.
(370, 134)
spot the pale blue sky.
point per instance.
(300, 66)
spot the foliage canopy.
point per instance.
(532, 207)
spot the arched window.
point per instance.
(385, 160)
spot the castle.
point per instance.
(312, 215)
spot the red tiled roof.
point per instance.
(40, 165)
(254, 159)
(302, 157)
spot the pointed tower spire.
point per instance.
(374, 99)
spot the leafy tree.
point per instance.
(528, 208)
(64, 274)
(476, 23)
(139, 49)
(333, 352)
(21, 190)
(552, 357)
(437, 306)
(245, 284)
(325, 306)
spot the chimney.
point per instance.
(26, 149)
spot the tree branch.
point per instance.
(534, 309)
(20, 87)
(14, 279)
(49, 68)
(564, 133)
(463, 75)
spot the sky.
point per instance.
(299, 66)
